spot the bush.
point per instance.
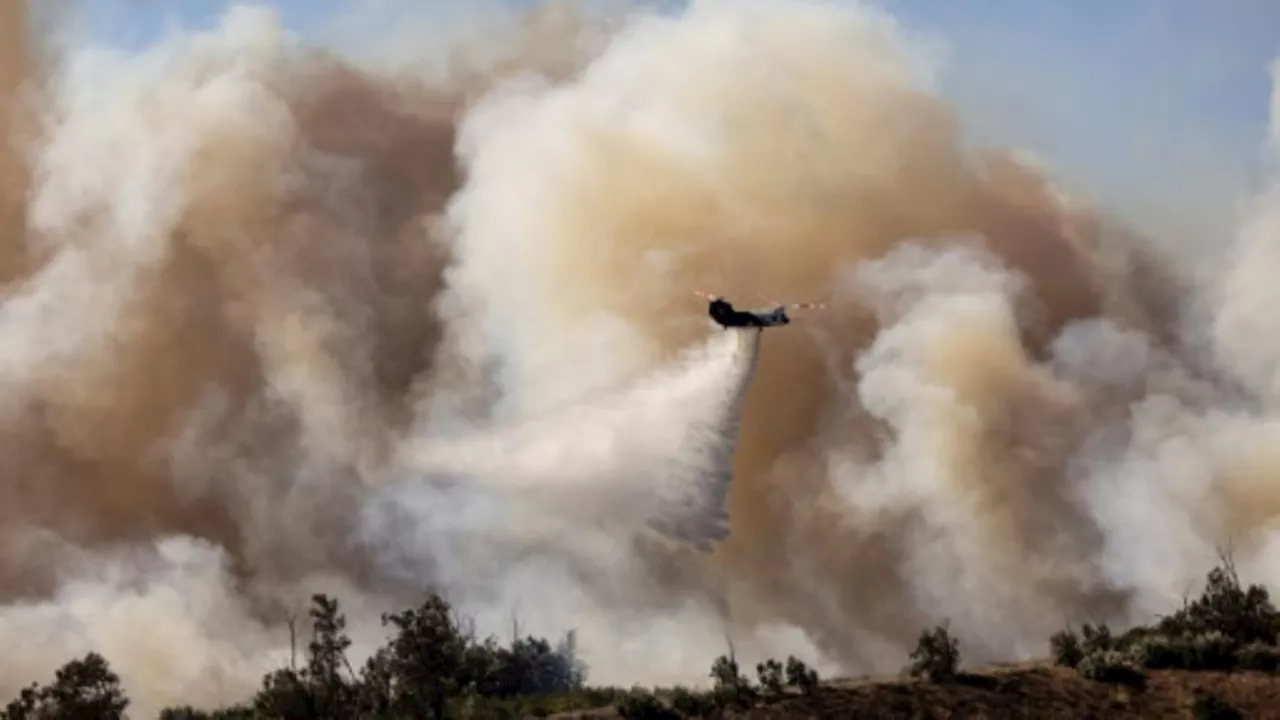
(1207, 706)
(1212, 651)
(800, 675)
(769, 673)
(431, 667)
(1065, 648)
(1227, 627)
(1245, 615)
(1209, 651)
(691, 704)
(1109, 666)
(1096, 638)
(82, 689)
(641, 705)
(1258, 656)
(731, 686)
(1161, 652)
(936, 657)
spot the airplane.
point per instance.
(727, 316)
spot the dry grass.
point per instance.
(1023, 690)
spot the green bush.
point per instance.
(1245, 615)
(642, 705)
(1161, 652)
(1109, 666)
(731, 686)
(1208, 651)
(1065, 648)
(1096, 638)
(936, 657)
(801, 676)
(690, 704)
(82, 689)
(1258, 656)
(769, 674)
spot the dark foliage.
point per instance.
(691, 704)
(1065, 648)
(769, 674)
(1207, 706)
(1259, 657)
(642, 705)
(1229, 627)
(801, 676)
(1096, 638)
(1109, 666)
(1244, 615)
(732, 688)
(430, 668)
(936, 657)
(84, 689)
(1210, 651)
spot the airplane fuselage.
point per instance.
(730, 317)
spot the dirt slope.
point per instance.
(1038, 693)
(1027, 692)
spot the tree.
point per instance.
(426, 659)
(936, 657)
(84, 689)
(332, 696)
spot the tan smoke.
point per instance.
(243, 273)
(638, 183)
(219, 298)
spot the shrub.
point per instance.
(1207, 706)
(1258, 656)
(731, 686)
(1212, 651)
(769, 674)
(641, 705)
(936, 657)
(1160, 652)
(1065, 648)
(1096, 638)
(1245, 615)
(1108, 666)
(82, 689)
(800, 675)
(691, 704)
(1208, 651)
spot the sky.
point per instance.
(1112, 92)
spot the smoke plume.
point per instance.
(281, 318)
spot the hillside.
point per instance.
(1026, 691)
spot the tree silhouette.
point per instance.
(84, 689)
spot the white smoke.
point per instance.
(543, 516)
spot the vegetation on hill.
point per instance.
(1229, 627)
(434, 666)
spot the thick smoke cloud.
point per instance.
(278, 319)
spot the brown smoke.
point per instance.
(15, 68)
(772, 188)
(264, 342)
